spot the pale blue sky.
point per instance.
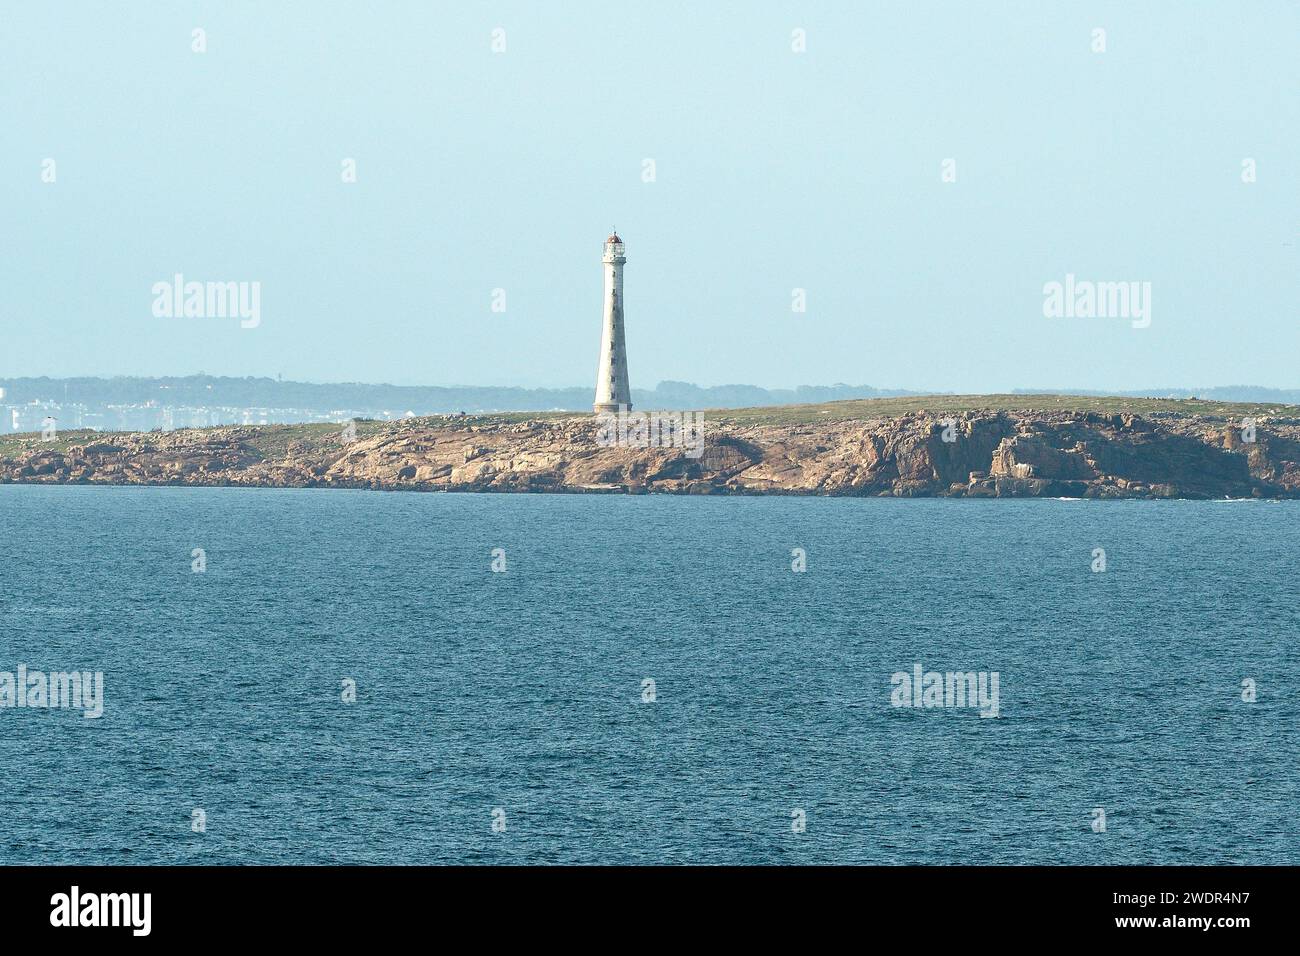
(775, 170)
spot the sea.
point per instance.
(328, 676)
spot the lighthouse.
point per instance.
(612, 389)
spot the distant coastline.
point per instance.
(1052, 446)
(142, 403)
(201, 401)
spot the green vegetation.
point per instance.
(869, 408)
(10, 445)
(274, 441)
(864, 409)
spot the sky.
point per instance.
(791, 146)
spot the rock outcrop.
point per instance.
(977, 454)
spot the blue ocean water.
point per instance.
(522, 692)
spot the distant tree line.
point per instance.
(423, 400)
(211, 390)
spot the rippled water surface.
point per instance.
(523, 690)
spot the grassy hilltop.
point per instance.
(274, 440)
(871, 408)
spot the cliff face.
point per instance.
(1003, 454)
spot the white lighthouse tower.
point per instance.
(612, 389)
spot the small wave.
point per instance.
(45, 610)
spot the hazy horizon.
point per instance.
(1153, 390)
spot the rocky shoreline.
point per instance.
(971, 454)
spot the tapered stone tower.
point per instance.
(612, 389)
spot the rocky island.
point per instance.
(956, 446)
